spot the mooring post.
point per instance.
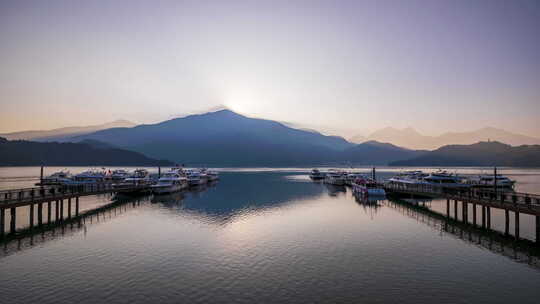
(483, 216)
(455, 210)
(3, 222)
(41, 177)
(507, 222)
(448, 207)
(61, 209)
(76, 206)
(373, 176)
(474, 214)
(57, 210)
(488, 215)
(12, 222)
(464, 211)
(517, 225)
(31, 213)
(49, 212)
(159, 172)
(537, 229)
(40, 214)
(69, 208)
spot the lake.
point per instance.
(269, 236)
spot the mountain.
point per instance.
(28, 153)
(490, 153)
(376, 153)
(58, 134)
(410, 138)
(225, 138)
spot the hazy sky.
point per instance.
(347, 66)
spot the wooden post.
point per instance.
(537, 229)
(69, 208)
(488, 215)
(31, 213)
(57, 210)
(483, 216)
(61, 209)
(76, 206)
(455, 210)
(49, 203)
(13, 219)
(495, 180)
(474, 214)
(464, 211)
(3, 222)
(41, 177)
(517, 225)
(507, 221)
(448, 208)
(40, 214)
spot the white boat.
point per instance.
(170, 182)
(367, 186)
(194, 177)
(138, 177)
(335, 177)
(212, 175)
(316, 174)
(90, 177)
(488, 181)
(119, 175)
(351, 177)
(408, 177)
(57, 178)
(444, 179)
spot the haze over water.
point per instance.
(269, 236)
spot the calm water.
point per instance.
(268, 237)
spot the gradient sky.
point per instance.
(340, 66)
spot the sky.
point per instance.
(342, 67)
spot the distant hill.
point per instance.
(225, 138)
(479, 154)
(59, 134)
(27, 153)
(376, 153)
(410, 138)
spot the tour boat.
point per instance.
(194, 177)
(335, 177)
(90, 177)
(488, 181)
(408, 177)
(170, 182)
(56, 178)
(367, 186)
(351, 177)
(119, 175)
(212, 175)
(316, 175)
(444, 179)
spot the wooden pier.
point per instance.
(49, 196)
(487, 198)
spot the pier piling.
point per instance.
(61, 209)
(49, 212)
(31, 213)
(474, 214)
(455, 210)
(488, 215)
(77, 206)
(506, 222)
(69, 208)
(3, 222)
(517, 225)
(538, 229)
(464, 211)
(57, 210)
(448, 208)
(12, 222)
(483, 216)
(40, 214)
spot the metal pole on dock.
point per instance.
(41, 177)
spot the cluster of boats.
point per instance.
(361, 184)
(176, 179)
(447, 179)
(365, 185)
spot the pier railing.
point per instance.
(467, 193)
(59, 191)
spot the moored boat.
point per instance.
(490, 181)
(316, 174)
(335, 177)
(367, 186)
(57, 178)
(169, 182)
